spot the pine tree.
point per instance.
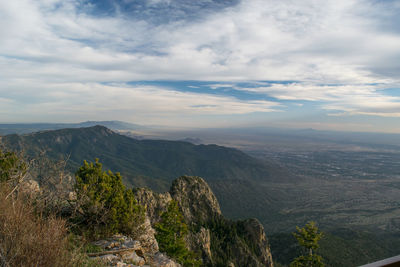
(103, 205)
(12, 167)
(13, 170)
(308, 238)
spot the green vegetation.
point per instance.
(12, 167)
(32, 232)
(308, 238)
(339, 247)
(103, 205)
(151, 163)
(223, 238)
(231, 242)
(244, 188)
(171, 233)
(28, 236)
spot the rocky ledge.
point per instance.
(122, 251)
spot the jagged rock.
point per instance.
(201, 242)
(201, 210)
(196, 200)
(154, 203)
(147, 239)
(256, 235)
(193, 194)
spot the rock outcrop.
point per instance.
(246, 245)
(254, 232)
(154, 203)
(196, 200)
(147, 238)
(119, 251)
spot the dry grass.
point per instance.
(28, 239)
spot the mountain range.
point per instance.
(245, 186)
(232, 174)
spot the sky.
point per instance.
(331, 65)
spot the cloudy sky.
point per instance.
(332, 64)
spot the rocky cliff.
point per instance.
(219, 241)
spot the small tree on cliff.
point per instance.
(308, 238)
(171, 233)
(13, 170)
(103, 205)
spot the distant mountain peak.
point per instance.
(100, 129)
(25, 128)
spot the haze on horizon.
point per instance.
(330, 65)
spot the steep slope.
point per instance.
(155, 163)
(220, 241)
(340, 247)
(154, 158)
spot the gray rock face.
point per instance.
(201, 242)
(255, 233)
(147, 239)
(196, 200)
(201, 210)
(154, 203)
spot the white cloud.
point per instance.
(143, 102)
(256, 40)
(55, 56)
(355, 99)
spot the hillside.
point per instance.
(341, 247)
(232, 174)
(245, 186)
(100, 222)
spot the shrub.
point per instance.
(32, 234)
(28, 239)
(103, 205)
(12, 167)
(13, 170)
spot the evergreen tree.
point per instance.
(171, 232)
(12, 167)
(308, 238)
(13, 170)
(103, 205)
